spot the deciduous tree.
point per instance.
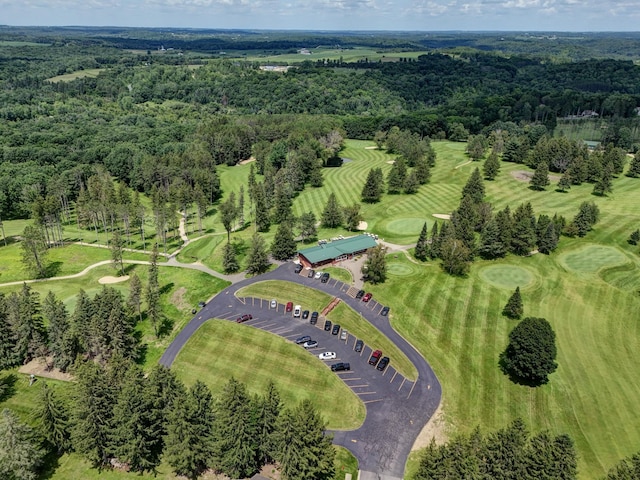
(375, 267)
(34, 250)
(153, 291)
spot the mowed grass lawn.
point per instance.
(220, 350)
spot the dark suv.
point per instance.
(336, 329)
(327, 325)
(325, 277)
(339, 367)
(375, 357)
(244, 318)
(314, 318)
(360, 294)
(359, 346)
(382, 364)
(299, 268)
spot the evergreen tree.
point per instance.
(504, 452)
(491, 166)
(282, 204)
(505, 226)
(262, 219)
(268, 411)
(8, 357)
(301, 447)
(375, 267)
(586, 217)
(284, 244)
(514, 308)
(189, 441)
(411, 183)
(307, 223)
(116, 245)
(20, 455)
(91, 413)
(422, 246)
(464, 220)
(531, 353)
(626, 469)
(25, 318)
(134, 300)
(257, 259)
(540, 177)
(332, 213)
(229, 260)
(52, 419)
(634, 238)
(62, 345)
(434, 251)
(352, 217)
(34, 250)
(153, 291)
(235, 432)
(604, 184)
(634, 168)
(549, 239)
(523, 238)
(372, 190)
(475, 147)
(228, 214)
(396, 176)
(455, 257)
(474, 188)
(422, 170)
(491, 245)
(564, 183)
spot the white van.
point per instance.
(296, 311)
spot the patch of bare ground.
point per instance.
(443, 216)
(435, 428)
(524, 176)
(178, 298)
(363, 225)
(41, 368)
(391, 162)
(248, 160)
(109, 279)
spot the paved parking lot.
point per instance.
(397, 408)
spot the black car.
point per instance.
(382, 364)
(339, 367)
(359, 346)
(325, 277)
(327, 325)
(384, 312)
(335, 330)
(360, 294)
(305, 314)
(298, 268)
(314, 318)
(311, 273)
(303, 339)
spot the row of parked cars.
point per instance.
(322, 276)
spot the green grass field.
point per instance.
(221, 350)
(68, 77)
(329, 53)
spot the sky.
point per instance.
(399, 15)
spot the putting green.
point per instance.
(507, 276)
(592, 258)
(406, 226)
(400, 269)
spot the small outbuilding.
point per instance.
(336, 250)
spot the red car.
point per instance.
(367, 297)
(375, 356)
(244, 318)
(289, 307)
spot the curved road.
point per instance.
(394, 420)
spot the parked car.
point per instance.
(382, 364)
(314, 318)
(317, 275)
(384, 312)
(335, 330)
(359, 346)
(244, 318)
(343, 335)
(303, 339)
(325, 277)
(339, 367)
(311, 273)
(274, 304)
(375, 357)
(298, 268)
(297, 311)
(310, 344)
(305, 314)
(289, 307)
(360, 294)
(327, 325)
(367, 297)
(201, 304)
(327, 356)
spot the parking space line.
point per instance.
(394, 376)
(366, 393)
(373, 401)
(359, 386)
(411, 391)
(403, 380)
(353, 378)
(241, 300)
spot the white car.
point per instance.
(327, 356)
(274, 304)
(297, 310)
(318, 275)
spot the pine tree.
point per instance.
(262, 219)
(189, 441)
(422, 246)
(586, 217)
(523, 238)
(434, 250)
(514, 308)
(464, 220)
(491, 245)
(153, 291)
(396, 176)
(332, 213)
(371, 191)
(34, 250)
(25, 318)
(284, 244)
(548, 242)
(228, 214)
(540, 177)
(134, 300)
(8, 357)
(605, 182)
(282, 209)
(52, 419)
(634, 168)
(474, 188)
(229, 261)
(375, 267)
(116, 245)
(352, 217)
(307, 223)
(564, 183)
(634, 238)
(491, 166)
(257, 259)
(20, 455)
(268, 410)
(411, 183)
(61, 344)
(235, 432)
(422, 170)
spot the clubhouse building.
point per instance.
(336, 250)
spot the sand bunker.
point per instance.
(248, 160)
(375, 148)
(443, 216)
(363, 225)
(109, 279)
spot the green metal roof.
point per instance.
(334, 249)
